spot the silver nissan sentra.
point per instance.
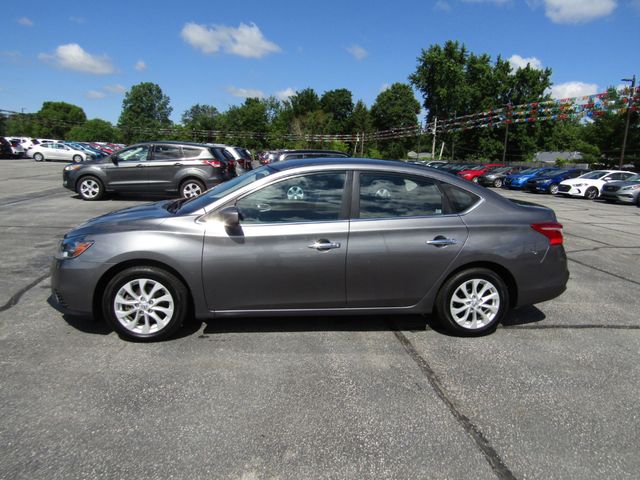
(314, 237)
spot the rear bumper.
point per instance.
(546, 281)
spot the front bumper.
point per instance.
(620, 196)
(73, 283)
(572, 190)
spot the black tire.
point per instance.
(191, 188)
(145, 278)
(591, 193)
(497, 183)
(474, 179)
(444, 304)
(77, 158)
(38, 157)
(553, 189)
(90, 188)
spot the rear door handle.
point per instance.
(441, 241)
(323, 244)
(177, 164)
(140, 165)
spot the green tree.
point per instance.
(95, 130)
(55, 119)
(304, 101)
(200, 119)
(338, 104)
(396, 107)
(145, 110)
(22, 125)
(251, 116)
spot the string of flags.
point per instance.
(575, 108)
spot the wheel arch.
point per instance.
(498, 269)
(114, 270)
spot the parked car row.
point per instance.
(271, 156)
(609, 185)
(25, 147)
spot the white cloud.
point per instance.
(116, 89)
(26, 22)
(578, 11)
(442, 6)
(518, 62)
(245, 41)
(245, 92)
(140, 66)
(72, 57)
(95, 95)
(358, 52)
(385, 86)
(285, 94)
(573, 89)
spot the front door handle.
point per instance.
(441, 241)
(140, 165)
(323, 244)
(178, 164)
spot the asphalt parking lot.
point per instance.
(553, 393)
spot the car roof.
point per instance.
(173, 142)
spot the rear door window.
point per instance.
(391, 195)
(167, 152)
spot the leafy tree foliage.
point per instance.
(201, 117)
(145, 110)
(396, 107)
(95, 130)
(55, 119)
(338, 104)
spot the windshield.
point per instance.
(194, 204)
(500, 170)
(552, 173)
(635, 178)
(529, 170)
(594, 175)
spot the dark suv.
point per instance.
(152, 167)
(5, 148)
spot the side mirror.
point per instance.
(114, 159)
(231, 216)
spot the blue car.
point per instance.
(548, 181)
(519, 180)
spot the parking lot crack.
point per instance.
(604, 271)
(15, 298)
(487, 450)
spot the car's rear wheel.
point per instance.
(497, 183)
(38, 157)
(90, 188)
(191, 188)
(77, 158)
(591, 193)
(553, 189)
(145, 303)
(473, 301)
(474, 179)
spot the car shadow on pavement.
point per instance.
(314, 324)
(144, 197)
(523, 316)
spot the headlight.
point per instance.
(631, 187)
(579, 185)
(70, 168)
(544, 182)
(73, 247)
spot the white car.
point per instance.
(56, 151)
(590, 184)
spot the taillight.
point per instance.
(212, 163)
(551, 230)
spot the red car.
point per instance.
(473, 173)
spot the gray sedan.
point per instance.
(625, 191)
(315, 237)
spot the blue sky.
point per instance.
(89, 53)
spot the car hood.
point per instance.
(132, 218)
(574, 181)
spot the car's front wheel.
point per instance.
(145, 303)
(191, 188)
(90, 188)
(553, 189)
(497, 183)
(473, 301)
(591, 193)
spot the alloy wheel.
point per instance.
(474, 304)
(143, 306)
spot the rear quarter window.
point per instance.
(460, 199)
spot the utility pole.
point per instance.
(433, 146)
(506, 134)
(629, 105)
